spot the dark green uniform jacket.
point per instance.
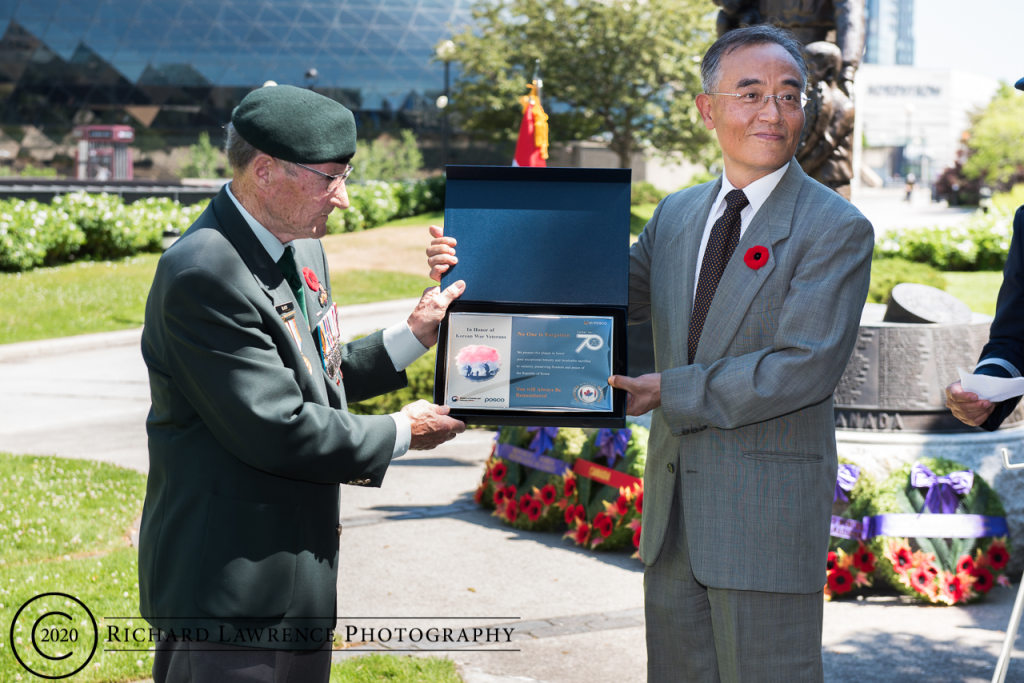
(247, 446)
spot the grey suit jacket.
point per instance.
(747, 430)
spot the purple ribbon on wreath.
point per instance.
(544, 439)
(845, 481)
(612, 444)
(943, 491)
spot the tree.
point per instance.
(995, 152)
(628, 70)
(202, 161)
(388, 159)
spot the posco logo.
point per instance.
(54, 635)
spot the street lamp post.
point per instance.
(446, 53)
(906, 145)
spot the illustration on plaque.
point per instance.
(478, 363)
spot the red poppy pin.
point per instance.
(311, 279)
(756, 257)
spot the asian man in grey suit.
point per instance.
(755, 284)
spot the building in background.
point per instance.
(174, 68)
(890, 32)
(912, 120)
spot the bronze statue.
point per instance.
(832, 32)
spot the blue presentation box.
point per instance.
(544, 253)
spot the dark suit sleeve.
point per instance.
(1006, 337)
(228, 368)
(368, 369)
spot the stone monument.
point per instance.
(890, 403)
(832, 32)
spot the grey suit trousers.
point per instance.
(697, 634)
(206, 662)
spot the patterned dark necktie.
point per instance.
(291, 275)
(725, 235)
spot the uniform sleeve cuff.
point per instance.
(403, 434)
(998, 362)
(402, 346)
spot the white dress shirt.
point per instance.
(757, 194)
(399, 341)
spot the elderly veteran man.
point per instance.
(755, 284)
(249, 436)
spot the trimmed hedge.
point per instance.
(80, 225)
(886, 273)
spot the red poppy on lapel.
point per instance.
(311, 279)
(756, 257)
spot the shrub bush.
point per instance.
(421, 385)
(645, 193)
(375, 202)
(981, 243)
(889, 272)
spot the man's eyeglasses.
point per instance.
(333, 180)
(788, 102)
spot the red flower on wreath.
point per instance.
(511, 510)
(533, 510)
(636, 537)
(604, 524)
(570, 487)
(570, 515)
(547, 494)
(622, 505)
(903, 561)
(499, 496)
(953, 587)
(864, 559)
(983, 580)
(997, 555)
(499, 471)
(840, 581)
(582, 533)
(479, 495)
(525, 501)
(639, 502)
(581, 513)
(756, 257)
(830, 563)
(965, 564)
(510, 491)
(921, 580)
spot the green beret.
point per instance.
(296, 124)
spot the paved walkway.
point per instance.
(417, 553)
(888, 210)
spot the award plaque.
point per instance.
(541, 326)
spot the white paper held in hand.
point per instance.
(993, 389)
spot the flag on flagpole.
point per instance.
(532, 146)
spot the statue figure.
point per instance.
(832, 32)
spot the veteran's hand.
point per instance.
(426, 317)
(431, 425)
(440, 253)
(967, 407)
(644, 392)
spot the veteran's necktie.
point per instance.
(291, 275)
(725, 235)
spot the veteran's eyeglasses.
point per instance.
(788, 102)
(333, 181)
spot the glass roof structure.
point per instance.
(182, 64)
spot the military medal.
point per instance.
(330, 343)
(323, 295)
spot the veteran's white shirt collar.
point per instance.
(273, 245)
(757, 194)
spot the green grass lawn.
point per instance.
(75, 299)
(978, 290)
(63, 526)
(85, 297)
